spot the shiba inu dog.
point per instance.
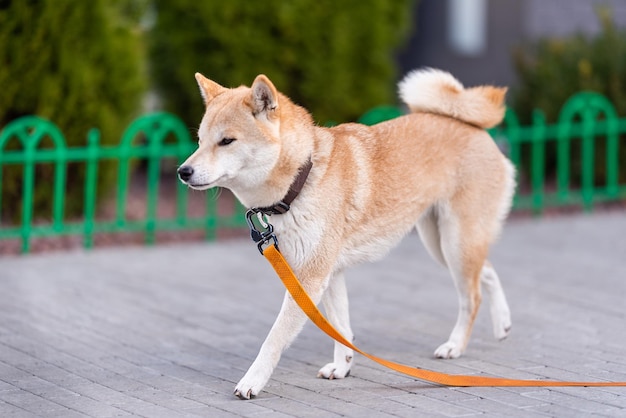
(344, 195)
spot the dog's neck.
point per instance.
(296, 186)
(283, 184)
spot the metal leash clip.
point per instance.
(261, 232)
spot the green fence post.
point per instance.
(60, 174)
(538, 138)
(563, 155)
(122, 182)
(91, 184)
(612, 146)
(587, 175)
(154, 135)
(28, 191)
(612, 156)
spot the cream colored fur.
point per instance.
(431, 90)
(434, 170)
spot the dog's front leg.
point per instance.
(335, 302)
(287, 326)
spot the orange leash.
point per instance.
(303, 300)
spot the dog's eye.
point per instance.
(226, 141)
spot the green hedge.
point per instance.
(76, 63)
(551, 70)
(334, 57)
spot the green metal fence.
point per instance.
(587, 133)
(153, 128)
(585, 119)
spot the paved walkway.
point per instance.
(168, 331)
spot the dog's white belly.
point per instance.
(366, 251)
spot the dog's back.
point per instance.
(437, 158)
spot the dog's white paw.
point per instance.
(242, 393)
(448, 350)
(501, 319)
(502, 329)
(251, 384)
(245, 390)
(336, 370)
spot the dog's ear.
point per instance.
(264, 97)
(208, 89)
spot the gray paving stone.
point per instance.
(32, 403)
(8, 410)
(168, 331)
(504, 397)
(579, 403)
(490, 407)
(212, 412)
(243, 408)
(429, 405)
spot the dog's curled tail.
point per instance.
(436, 91)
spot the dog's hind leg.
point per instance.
(465, 252)
(498, 306)
(335, 302)
(428, 229)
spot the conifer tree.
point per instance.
(76, 63)
(334, 57)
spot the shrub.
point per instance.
(335, 58)
(78, 64)
(551, 70)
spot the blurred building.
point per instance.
(474, 39)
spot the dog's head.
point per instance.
(238, 139)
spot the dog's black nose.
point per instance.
(185, 172)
